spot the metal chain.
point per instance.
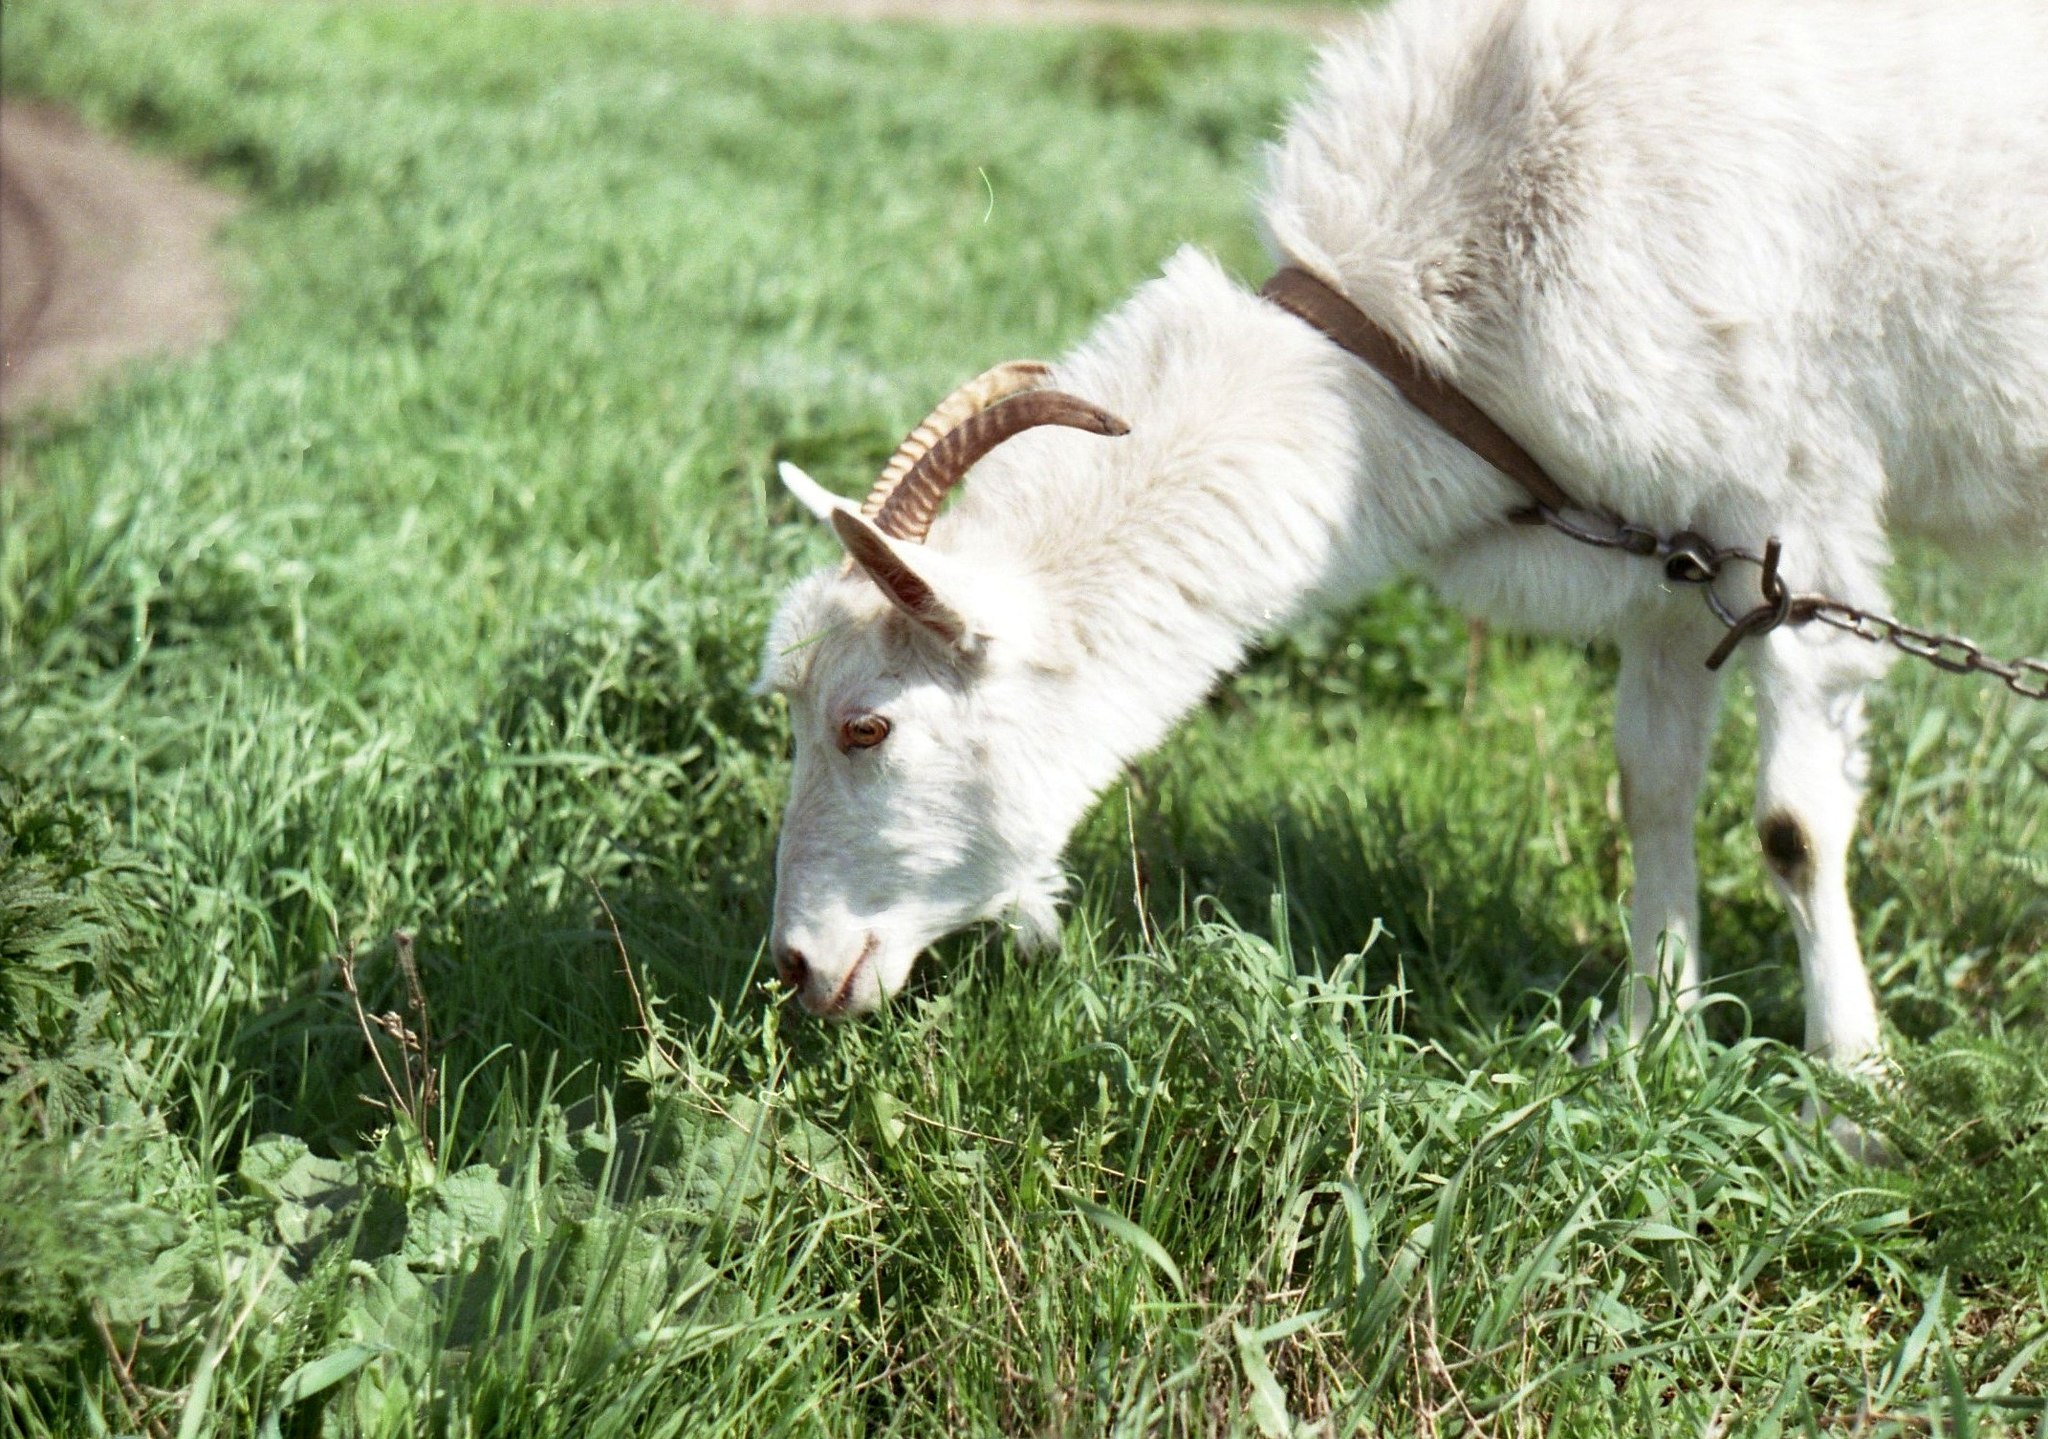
(1690, 559)
(2027, 678)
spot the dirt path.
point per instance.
(105, 256)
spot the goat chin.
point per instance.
(1745, 268)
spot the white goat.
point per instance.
(1738, 266)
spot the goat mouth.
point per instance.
(843, 995)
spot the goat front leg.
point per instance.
(1810, 777)
(1666, 707)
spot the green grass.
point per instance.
(427, 602)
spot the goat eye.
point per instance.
(863, 732)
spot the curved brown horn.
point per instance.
(1012, 377)
(911, 507)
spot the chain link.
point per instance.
(2027, 678)
(1690, 559)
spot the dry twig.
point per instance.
(416, 1097)
(133, 1400)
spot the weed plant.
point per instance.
(426, 605)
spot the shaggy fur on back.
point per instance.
(1678, 246)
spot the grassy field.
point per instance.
(426, 605)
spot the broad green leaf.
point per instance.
(886, 1108)
(453, 1217)
(313, 1378)
(1135, 1236)
(1269, 1403)
(281, 1167)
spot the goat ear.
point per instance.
(896, 570)
(813, 496)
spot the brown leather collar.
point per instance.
(1687, 558)
(1315, 302)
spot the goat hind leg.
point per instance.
(1666, 708)
(1810, 776)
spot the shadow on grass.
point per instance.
(1466, 911)
(542, 985)
(1470, 922)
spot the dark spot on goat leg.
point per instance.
(1786, 847)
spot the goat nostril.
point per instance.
(792, 968)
